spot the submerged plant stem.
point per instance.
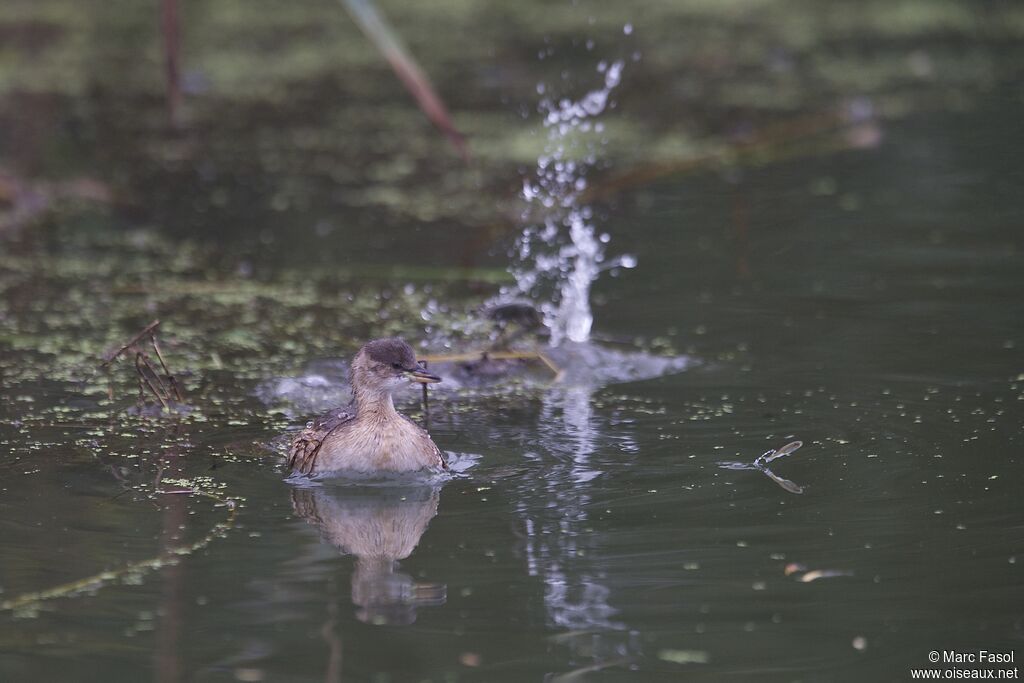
(103, 578)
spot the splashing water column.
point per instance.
(559, 256)
(574, 310)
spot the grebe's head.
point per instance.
(387, 363)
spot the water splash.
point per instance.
(560, 254)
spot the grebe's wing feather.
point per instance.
(306, 444)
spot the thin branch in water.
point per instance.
(167, 373)
(161, 383)
(386, 40)
(168, 556)
(426, 402)
(170, 29)
(147, 331)
(142, 374)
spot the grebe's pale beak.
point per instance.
(422, 376)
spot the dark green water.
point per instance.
(866, 301)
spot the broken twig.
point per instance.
(161, 384)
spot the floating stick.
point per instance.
(105, 577)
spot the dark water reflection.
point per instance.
(866, 302)
(377, 527)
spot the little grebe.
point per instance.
(370, 435)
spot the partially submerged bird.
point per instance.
(370, 435)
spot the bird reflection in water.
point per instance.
(378, 526)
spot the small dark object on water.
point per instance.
(513, 321)
(370, 435)
(500, 359)
(761, 465)
(520, 313)
(485, 367)
(774, 454)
